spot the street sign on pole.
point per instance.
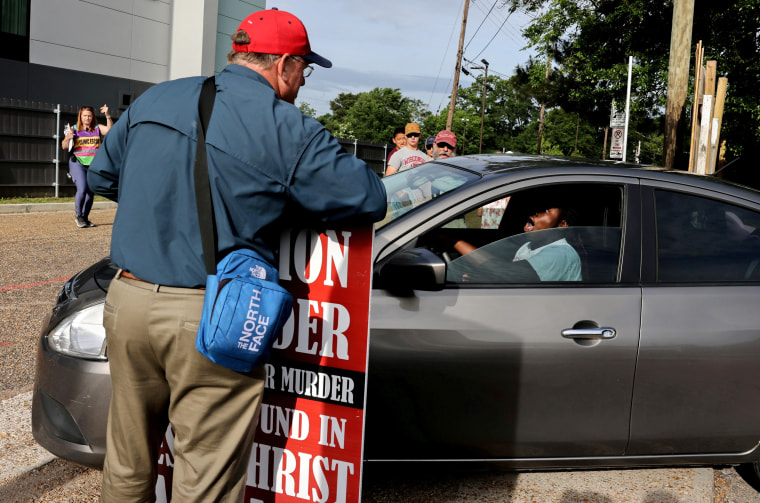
(617, 124)
(617, 117)
(618, 140)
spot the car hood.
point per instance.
(88, 286)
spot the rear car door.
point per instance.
(697, 378)
(481, 370)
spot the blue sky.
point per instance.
(410, 46)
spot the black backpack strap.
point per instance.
(200, 175)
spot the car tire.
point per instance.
(750, 472)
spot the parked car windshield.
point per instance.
(414, 187)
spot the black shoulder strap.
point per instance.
(200, 175)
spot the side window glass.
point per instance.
(558, 233)
(701, 239)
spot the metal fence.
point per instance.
(31, 160)
(32, 163)
(374, 154)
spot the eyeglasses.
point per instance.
(444, 145)
(307, 69)
(413, 135)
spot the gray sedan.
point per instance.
(638, 346)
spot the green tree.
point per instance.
(339, 107)
(730, 33)
(509, 107)
(307, 109)
(373, 115)
(564, 133)
(376, 113)
(590, 42)
(572, 135)
(525, 141)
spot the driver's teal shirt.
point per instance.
(556, 261)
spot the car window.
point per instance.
(492, 242)
(701, 239)
(410, 189)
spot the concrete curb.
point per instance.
(9, 209)
(21, 453)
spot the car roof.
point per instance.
(494, 165)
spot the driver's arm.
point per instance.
(463, 247)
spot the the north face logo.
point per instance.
(258, 272)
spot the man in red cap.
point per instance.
(270, 168)
(445, 145)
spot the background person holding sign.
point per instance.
(82, 141)
(270, 167)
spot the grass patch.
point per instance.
(32, 200)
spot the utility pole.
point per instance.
(464, 134)
(627, 107)
(543, 107)
(483, 105)
(577, 129)
(458, 68)
(678, 76)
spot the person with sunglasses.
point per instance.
(429, 144)
(409, 156)
(445, 145)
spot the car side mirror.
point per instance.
(417, 269)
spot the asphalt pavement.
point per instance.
(41, 247)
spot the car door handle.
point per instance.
(589, 333)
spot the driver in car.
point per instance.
(552, 259)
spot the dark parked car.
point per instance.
(651, 356)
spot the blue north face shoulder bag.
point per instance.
(244, 307)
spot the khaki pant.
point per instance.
(159, 377)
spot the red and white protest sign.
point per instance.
(308, 444)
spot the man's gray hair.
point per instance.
(265, 61)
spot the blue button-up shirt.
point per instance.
(270, 166)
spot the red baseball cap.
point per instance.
(446, 137)
(275, 31)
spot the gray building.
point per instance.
(95, 52)
(59, 55)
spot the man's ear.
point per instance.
(281, 66)
(563, 223)
(278, 75)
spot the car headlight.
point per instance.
(81, 334)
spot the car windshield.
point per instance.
(414, 187)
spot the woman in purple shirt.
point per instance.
(83, 141)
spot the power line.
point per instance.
(494, 36)
(512, 33)
(443, 61)
(509, 31)
(481, 24)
